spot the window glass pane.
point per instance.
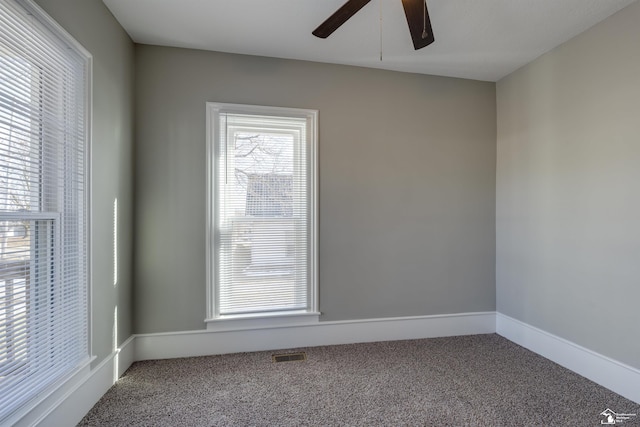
(18, 170)
(263, 174)
(15, 289)
(260, 248)
(262, 203)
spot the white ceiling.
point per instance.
(475, 39)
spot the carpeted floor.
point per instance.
(479, 380)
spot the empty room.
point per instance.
(304, 212)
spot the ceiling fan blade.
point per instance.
(341, 16)
(419, 23)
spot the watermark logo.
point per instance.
(611, 418)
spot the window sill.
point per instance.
(262, 321)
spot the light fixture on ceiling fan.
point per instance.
(415, 11)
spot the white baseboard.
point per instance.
(609, 373)
(201, 343)
(82, 393)
(125, 357)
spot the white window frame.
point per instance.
(61, 386)
(249, 321)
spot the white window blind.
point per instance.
(263, 210)
(43, 219)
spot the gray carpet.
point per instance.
(480, 380)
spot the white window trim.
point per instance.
(256, 321)
(83, 368)
(213, 110)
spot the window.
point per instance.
(262, 232)
(44, 88)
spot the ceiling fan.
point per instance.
(415, 11)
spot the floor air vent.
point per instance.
(289, 357)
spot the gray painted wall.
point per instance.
(91, 23)
(407, 184)
(568, 201)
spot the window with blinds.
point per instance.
(43, 219)
(262, 210)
